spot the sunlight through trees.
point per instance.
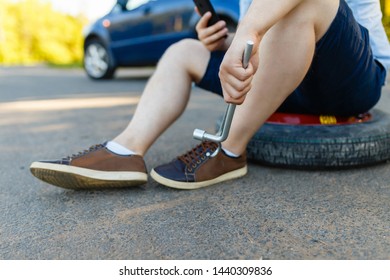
(31, 32)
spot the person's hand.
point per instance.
(214, 36)
(236, 81)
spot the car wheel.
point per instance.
(323, 146)
(98, 62)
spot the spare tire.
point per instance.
(323, 146)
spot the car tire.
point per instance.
(98, 61)
(323, 146)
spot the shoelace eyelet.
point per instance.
(197, 155)
(91, 149)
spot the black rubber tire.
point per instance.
(323, 146)
(101, 55)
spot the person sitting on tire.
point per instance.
(309, 56)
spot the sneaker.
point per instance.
(94, 168)
(200, 168)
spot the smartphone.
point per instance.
(205, 6)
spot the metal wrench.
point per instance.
(223, 131)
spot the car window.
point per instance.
(134, 4)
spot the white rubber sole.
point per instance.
(197, 185)
(72, 177)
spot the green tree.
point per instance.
(386, 16)
(31, 31)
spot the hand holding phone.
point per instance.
(205, 6)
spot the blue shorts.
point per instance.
(344, 78)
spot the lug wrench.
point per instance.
(223, 131)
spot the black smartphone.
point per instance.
(206, 6)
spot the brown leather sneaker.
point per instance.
(198, 168)
(94, 168)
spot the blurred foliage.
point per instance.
(32, 32)
(386, 24)
(385, 4)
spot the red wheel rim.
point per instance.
(301, 119)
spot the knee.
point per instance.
(317, 13)
(184, 47)
(187, 55)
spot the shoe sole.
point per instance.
(70, 177)
(197, 185)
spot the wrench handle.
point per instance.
(228, 117)
(247, 54)
(227, 120)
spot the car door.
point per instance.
(146, 28)
(128, 26)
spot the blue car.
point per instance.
(137, 32)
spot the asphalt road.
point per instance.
(272, 213)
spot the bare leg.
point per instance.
(286, 52)
(166, 94)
